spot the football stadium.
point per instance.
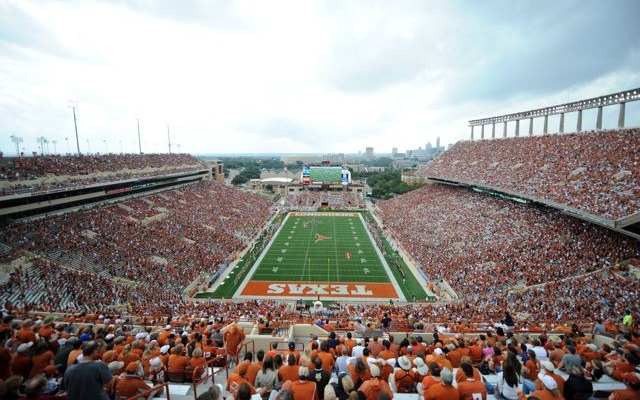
(536, 248)
(504, 265)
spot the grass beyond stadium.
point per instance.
(329, 255)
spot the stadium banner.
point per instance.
(324, 289)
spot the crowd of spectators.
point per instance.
(52, 357)
(156, 245)
(49, 172)
(311, 200)
(485, 247)
(595, 172)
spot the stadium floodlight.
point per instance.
(55, 147)
(74, 104)
(17, 140)
(169, 138)
(41, 140)
(139, 142)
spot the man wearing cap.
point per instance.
(471, 388)
(403, 377)
(632, 392)
(372, 388)
(131, 383)
(549, 370)
(303, 389)
(164, 354)
(443, 390)
(549, 390)
(163, 337)
(21, 363)
(87, 379)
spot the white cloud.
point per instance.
(290, 76)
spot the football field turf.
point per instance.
(327, 255)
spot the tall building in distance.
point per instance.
(438, 144)
(394, 152)
(369, 153)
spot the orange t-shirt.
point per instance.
(304, 390)
(178, 363)
(327, 361)
(233, 339)
(41, 361)
(288, 373)
(373, 387)
(129, 386)
(441, 392)
(470, 388)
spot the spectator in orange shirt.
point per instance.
(443, 390)
(198, 362)
(374, 386)
(178, 362)
(302, 389)
(131, 383)
(239, 376)
(26, 334)
(21, 363)
(470, 388)
(327, 358)
(43, 358)
(288, 372)
(233, 339)
(403, 377)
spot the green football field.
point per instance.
(325, 254)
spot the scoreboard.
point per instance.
(321, 175)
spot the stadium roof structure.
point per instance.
(577, 106)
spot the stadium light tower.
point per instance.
(41, 141)
(74, 104)
(55, 147)
(17, 140)
(139, 142)
(169, 138)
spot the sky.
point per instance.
(301, 76)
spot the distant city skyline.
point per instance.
(299, 77)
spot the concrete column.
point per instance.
(579, 126)
(599, 119)
(472, 132)
(531, 126)
(561, 123)
(621, 116)
(482, 132)
(504, 129)
(493, 130)
(545, 129)
(517, 127)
